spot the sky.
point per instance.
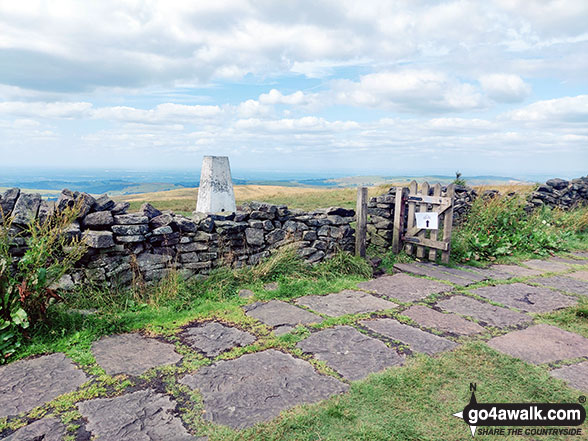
(359, 87)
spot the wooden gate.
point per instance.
(420, 241)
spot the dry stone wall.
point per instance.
(148, 243)
(561, 193)
(555, 193)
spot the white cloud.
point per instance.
(506, 88)
(286, 81)
(46, 110)
(410, 91)
(550, 17)
(299, 125)
(162, 113)
(460, 124)
(134, 44)
(26, 123)
(559, 110)
(251, 108)
(297, 98)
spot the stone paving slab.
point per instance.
(579, 275)
(282, 316)
(525, 297)
(433, 272)
(404, 287)
(490, 273)
(485, 312)
(517, 271)
(349, 352)
(142, 415)
(417, 340)
(460, 272)
(576, 375)
(257, 387)
(26, 384)
(569, 260)
(546, 266)
(345, 302)
(564, 283)
(213, 338)
(132, 354)
(541, 344)
(429, 318)
(46, 429)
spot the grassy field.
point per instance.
(184, 200)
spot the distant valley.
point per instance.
(131, 183)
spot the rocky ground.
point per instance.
(258, 385)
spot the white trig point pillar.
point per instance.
(216, 186)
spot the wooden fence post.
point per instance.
(420, 250)
(435, 233)
(398, 220)
(410, 222)
(448, 224)
(361, 228)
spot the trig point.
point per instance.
(216, 186)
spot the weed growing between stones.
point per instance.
(501, 227)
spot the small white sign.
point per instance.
(427, 220)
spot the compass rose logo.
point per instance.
(472, 402)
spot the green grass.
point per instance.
(414, 402)
(574, 319)
(164, 307)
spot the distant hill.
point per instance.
(354, 181)
(50, 188)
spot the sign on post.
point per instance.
(428, 220)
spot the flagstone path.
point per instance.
(424, 308)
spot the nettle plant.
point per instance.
(26, 284)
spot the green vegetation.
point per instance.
(501, 227)
(25, 291)
(172, 302)
(574, 319)
(459, 180)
